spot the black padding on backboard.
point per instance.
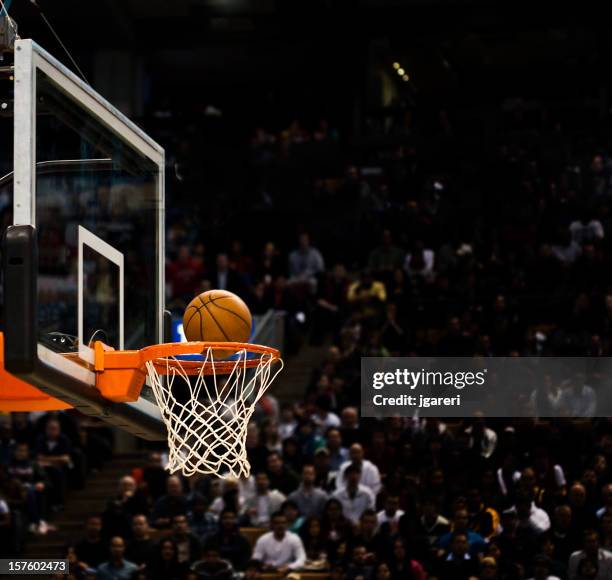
(20, 266)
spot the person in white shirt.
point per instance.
(370, 476)
(420, 262)
(279, 550)
(530, 515)
(354, 497)
(287, 422)
(265, 502)
(323, 418)
(391, 513)
(238, 491)
(482, 439)
(594, 553)
(586, 230)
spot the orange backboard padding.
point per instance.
(122, 373)
(18, 396)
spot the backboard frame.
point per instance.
(57, 375)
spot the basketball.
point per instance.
(217, 316)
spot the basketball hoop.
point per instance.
(205, 403)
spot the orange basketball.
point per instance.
(217, 316)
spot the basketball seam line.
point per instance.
(197, 310)
(214, 300)
(234, 313)
(215, 321)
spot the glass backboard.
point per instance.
(92, 185)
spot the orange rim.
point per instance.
(120, 374)
(162, 356)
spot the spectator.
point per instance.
(367, 297)
(489, 569)
(292, 514)
(432, 524)
(402, 565)
(599, 558)
(232, 545)
(309, 499)
(483, 519)
(323, 417)
(338, 454)
(281, 477)
(387, 257)
(458, 564)
(266, 501)
(391, 514)
(35, 486)
(382, 571)
(583, 516)
(130, 498)
(476, 543)
(517, 544)
(541, 569)
(165, 565)
(577, 399)
(188, 547)
(270, 437)
(213, 566)
(314, 543)
(350, 430)
(370, 476)
(116, 567)
(225, 277)
(563, 533)
(326, 478)
(305, 263)
(481, 438)
(201, 522)
(337, 529)
(530, 515)
(354, 497)
(92, 550)
(287, 422)
(358, 567)
(366, 535)
(141, 547)
(234, 497)
(53, 451)
(279, 550)
(119, 511)
(420, 262)
(172, 504)
(155, 476)
(586, 229)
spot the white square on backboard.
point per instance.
(98, 245)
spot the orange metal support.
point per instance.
(17, 395)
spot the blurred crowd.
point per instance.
(426, 242)
(43, 457)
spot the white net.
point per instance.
(207, 412)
